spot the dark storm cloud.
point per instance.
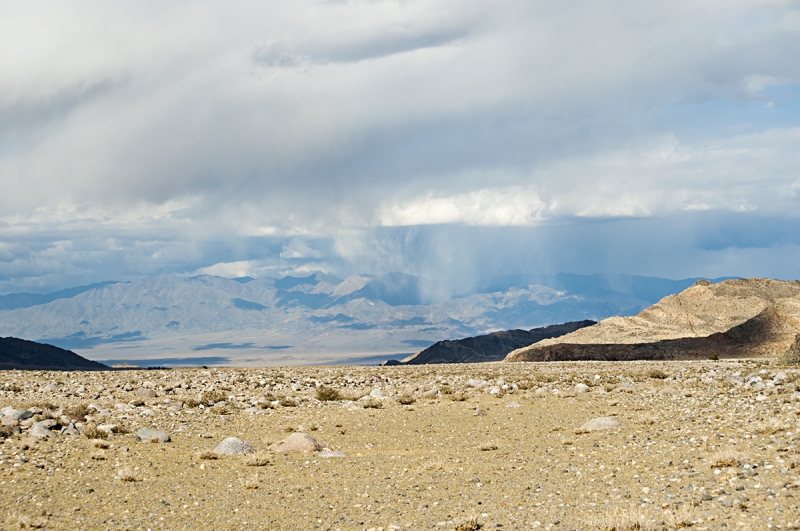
(427, 137)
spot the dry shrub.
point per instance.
(287, 401)
(446, 390)
(770, 428)
(469, 525)
(127, 475)
(728, 457)
(257, 459)
(90, 431)
(120, 429)
(657, 374)
(525, 385)
(458, 397)
(210, 398)
(488, 447)
(373, 404)
(625, 520)
(220, 410)
(191, 402)
(406, 400)
(328, 394)
(207, 456)
(81, 410)
(98, 455)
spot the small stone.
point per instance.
(330, 453)
(21, 414)
(479, 412)
(8, 421)
(376, 393)
(297, 442)
(69, 430)
(581, 388)
(146, 393)
(600, 423)
(668, 391)
(233, 446)
(51, 387)
(513, 404)
(148, 435)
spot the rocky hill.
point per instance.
(735, 318)
(22, 354)
(490, 347)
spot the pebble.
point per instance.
(479, 412)
(146, 393)
(331, 453)
(233, 446)
(514, 404)
(581, 388)
(148, 435)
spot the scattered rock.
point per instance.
(297, 442)
(325, 454)
(513, 404)
(41, 431)
(479, 412)
(600, 423)
(581, 388)
(233, 446)
(21, 414)
(148, 435)
(146, 393)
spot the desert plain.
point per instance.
(681, 444)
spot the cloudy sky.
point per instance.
(453, 138)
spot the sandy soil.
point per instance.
(705, 445)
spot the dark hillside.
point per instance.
(490, 347)
(28, 355)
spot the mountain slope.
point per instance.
(21, 354)
(490, 347)
(743, 317)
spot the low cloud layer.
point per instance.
(451, 139)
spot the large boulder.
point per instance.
(792, 354)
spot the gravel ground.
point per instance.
(703, 445)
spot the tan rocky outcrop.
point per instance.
(743, 317)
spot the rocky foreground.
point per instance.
(617, 445)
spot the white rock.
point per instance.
(581, 388)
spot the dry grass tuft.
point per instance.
(487, 447)
(251, 482)
(406, 400)
(458, 397)
(469, 525)
(257, 459)
(373, 404)
(98, 455)
(624, 520)
(681, 518)
(648, 418)
(287, 402)
(17, 520)
(127, 475)
(728, 457)
(207, 456)
(99, 443)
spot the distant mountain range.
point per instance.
(319, 318)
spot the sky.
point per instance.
(454, 139)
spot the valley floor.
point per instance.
(704, 445)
